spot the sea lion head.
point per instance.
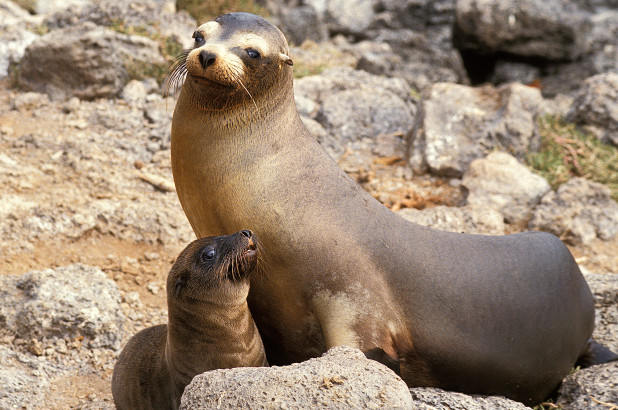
(215, 268)
(236, 58)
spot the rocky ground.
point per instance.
(90, 222)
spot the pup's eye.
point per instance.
(253, 53)
(208, 254)
(199, 38)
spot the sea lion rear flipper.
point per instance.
(595, 353)
(381, 356)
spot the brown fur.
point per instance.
(501, 315)
(209, 327)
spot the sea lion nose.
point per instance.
(207, 58)
(247, 233)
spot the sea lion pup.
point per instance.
(505, 315)
(209, 326)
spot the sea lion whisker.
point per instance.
(239, 81)
(178, 72)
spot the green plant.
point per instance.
(566, 152)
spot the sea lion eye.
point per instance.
(253, 53)
(199, 38)
(208, 254)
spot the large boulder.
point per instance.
(69, 302)
(501, 182)
(343, 378)
(456, 124)
(551, 29)
(594, 388)
(156, 18)
(86, 61)
(578, 212)
(352, 105)
(437, 399)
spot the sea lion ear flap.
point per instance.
(286, 59)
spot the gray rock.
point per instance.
(341, 379)
(419, 38)
(601, 57)
(594, 388)
(134, 92)
(552, 29)
(155, 17)
(513, 71)
(466, 219)
(352, 115)
(501, 182)
(53, 6)
(86, 61)
(20, 387)
(596, 104)
(346, 16)
(302, 23)
(456, 124)
(66, 302)
(29, 101)
(437, 399)
(318, 87)
(356, 105)
(604, 286)
(420, 58)
(578, 212)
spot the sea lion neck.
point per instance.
(185, 336)
(199, 105)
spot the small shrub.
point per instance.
(567, 152)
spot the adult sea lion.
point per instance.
(209, 326)
(505, 315)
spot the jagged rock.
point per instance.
(437, 399)
(501, 182)
(466, 219)
(604, 286)
(594, 388)
(456, 124)
(601, 56)
(596, 104)
(158, 18)
(352, 115)
(356, 105)
(551, 30)
(419, 35)
(419, 58)
(66, 302)
(318, 87)
(578, 212)
(341, 379)
(86, 61)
